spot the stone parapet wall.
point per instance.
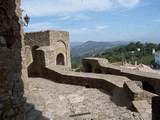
(106, 82)
(97, 65)
(123, 91)
(37, 38)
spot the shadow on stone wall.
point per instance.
(35, 68)
(120, 98)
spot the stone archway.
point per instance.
(61, 53)
(60, 60)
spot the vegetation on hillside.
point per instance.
(142, 53)
(75, 62)
(90, 49)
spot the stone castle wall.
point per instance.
(37, 39)
(12, 66)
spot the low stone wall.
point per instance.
(151, 81)
(105, 82)
(123, 91)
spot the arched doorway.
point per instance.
(60, 59)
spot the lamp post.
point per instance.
(26, 20)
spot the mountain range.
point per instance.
(91, 48)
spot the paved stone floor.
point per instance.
(69, 102)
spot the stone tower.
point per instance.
(54, 44)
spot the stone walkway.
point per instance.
(68, 102)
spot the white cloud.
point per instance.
(74, 17)
(40, 26)
(128, 3)
(101, 27)
(50, 7)
(53, 7)
(83, 30)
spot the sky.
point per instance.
(96, 20)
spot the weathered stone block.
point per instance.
(134, 91)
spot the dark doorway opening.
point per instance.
(60, 59)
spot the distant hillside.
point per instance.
(134, 51)
(91, 48)
(74, 44)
